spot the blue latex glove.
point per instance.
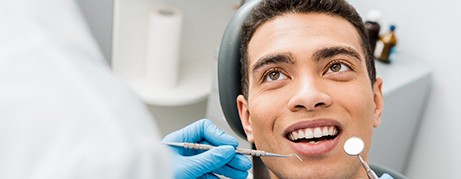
(386, 176)
(196, 163)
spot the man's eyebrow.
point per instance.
(336, 50)
(273, 59)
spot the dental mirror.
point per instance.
(354, 146)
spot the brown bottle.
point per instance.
(385, 45)
(372, 27)
(373, 33)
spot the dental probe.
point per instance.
(354, 147)
(256, 153)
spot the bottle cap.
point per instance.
(374, 15)
(392, 27)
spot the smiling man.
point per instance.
(309, 84)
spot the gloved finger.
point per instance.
(216, 136)
(190, 133)
(209, 176)
(240, 162)
(230, 172)
(211, 159)
(177, 136)
(200, 130)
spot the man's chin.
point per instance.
(320, 167)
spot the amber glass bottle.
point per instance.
(385, 45)
(373, 28)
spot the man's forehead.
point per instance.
(283, 33)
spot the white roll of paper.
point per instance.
(163, 46)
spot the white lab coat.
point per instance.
(63, 115)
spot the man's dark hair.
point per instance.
(269, 9)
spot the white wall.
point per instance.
(430, 31)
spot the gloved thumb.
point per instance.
(211, 160)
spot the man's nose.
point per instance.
(309, 95)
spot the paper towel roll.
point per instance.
(163, 46)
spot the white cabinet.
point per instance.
(406, 85)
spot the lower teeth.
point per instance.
(315, 140)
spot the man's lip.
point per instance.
(316, 149)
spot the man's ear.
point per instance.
(244, 114)
(378, 101)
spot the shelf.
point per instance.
(193, 86)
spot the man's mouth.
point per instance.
(313, 135)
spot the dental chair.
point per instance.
(229, 84)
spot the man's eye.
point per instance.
(338, 67)
(274, 75)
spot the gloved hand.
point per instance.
(386, 176)
(196, 163)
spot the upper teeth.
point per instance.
(310, 133)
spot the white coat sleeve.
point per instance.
(63, 115)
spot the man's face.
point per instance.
(309, 91)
